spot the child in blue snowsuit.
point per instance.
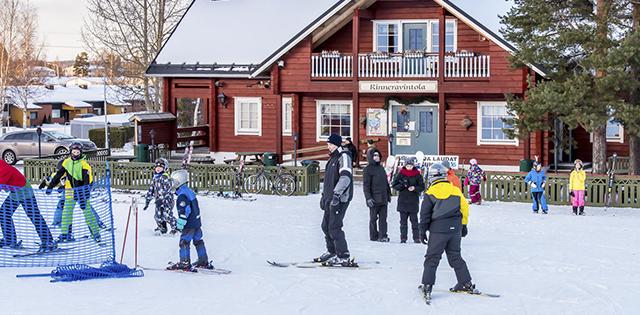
(189, 224)
(537, 179)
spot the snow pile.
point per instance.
(540, 264)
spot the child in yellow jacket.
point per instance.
(577, 188)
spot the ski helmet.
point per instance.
(75, 146)
(162, 162)
(179, 178)
(446, 164)
(536, 164)
(473, 162)
(437, 173)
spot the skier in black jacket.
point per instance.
(378, 195)
(337, 192)
(410, 185)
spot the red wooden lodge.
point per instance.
(247, 75)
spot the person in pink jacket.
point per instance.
(475, 176)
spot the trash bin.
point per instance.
(526, 165)
(142, 152)
(270, 159)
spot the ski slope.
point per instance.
(540, 264)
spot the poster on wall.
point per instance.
(376, 122)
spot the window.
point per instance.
(333, 117)
(411, 35)
(287, 110)
(449, 38)
(55, 113)
(414, 36)
(248, 116)
(192, 112)
(33, 115)
(615, 131)
(387, 37)
(490, 123)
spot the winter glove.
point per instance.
(533, 185)
(335, 201)
(370, 203)
(585, 192)
(571, 194)
(543, 184)
(146, 205)
(464, 230)
(423, 237)
(180, 223)
(48, 191)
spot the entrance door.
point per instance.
(415, 128)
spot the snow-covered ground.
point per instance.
(540, 264)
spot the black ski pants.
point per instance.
(377, 222)
(413, 217)
(332, 223)
(449, 243)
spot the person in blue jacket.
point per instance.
(537, 180)
(189, 224)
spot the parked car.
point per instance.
(18, 145)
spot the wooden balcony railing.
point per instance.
(339, 66)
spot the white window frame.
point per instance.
(400, 24)
(237, 115)
(319, 103)
(619, 139)
(287, 115)
(480, 141)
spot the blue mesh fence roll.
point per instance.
(59, 227)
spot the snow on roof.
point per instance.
(77, 104)
(112, 118)
(29, 106)
(243, 32)
(73, 95)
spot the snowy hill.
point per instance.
(540, 264)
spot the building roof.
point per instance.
(76, 96)
(244, 44)
(77, 104)
(151, 117)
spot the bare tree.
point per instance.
(20, 76)
(133, 30)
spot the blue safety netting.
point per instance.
(58, 227)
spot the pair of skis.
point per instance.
(427, 297)
(610, 182)
(311, 264)
(193, 270)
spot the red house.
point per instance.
(247, 75)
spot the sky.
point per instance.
(61, 22)
(60, 25)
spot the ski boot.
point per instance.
(535, 211)
(416, 240)
(324, 257)
(12, 245)
(403, 240)
(545, 211)
(464, 288)
(160, 230)
(173, 231)
(340, 262)
(426, 289)
(48, 246)
(66, 238)
(581, 211)
(183, 265)
(575, 210)
(384, 239)
(204, 265)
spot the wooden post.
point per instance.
(213, 116)
(442, 26)
(170, 106)
(355, 116)
(275, 89)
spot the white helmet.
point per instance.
(179, 178)
(437, 173)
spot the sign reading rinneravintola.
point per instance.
(398, 87)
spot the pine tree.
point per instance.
(81, 65)
(570, 40)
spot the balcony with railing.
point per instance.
(339, 66)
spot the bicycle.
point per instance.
(284, 184)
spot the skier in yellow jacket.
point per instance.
(577, 188)
(444, 213)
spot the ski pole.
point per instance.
(135, 255)
(126, 230)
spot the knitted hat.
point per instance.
(335, 139)
(473, 162)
